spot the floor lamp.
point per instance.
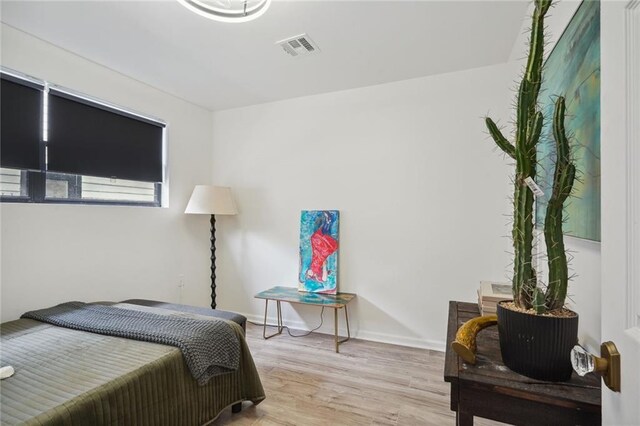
(212, 200)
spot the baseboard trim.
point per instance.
(327, 328)
(394, 339)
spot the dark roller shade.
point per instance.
(20, 123)
(94, 140)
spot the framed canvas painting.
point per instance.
(573, 71)
(319, 251)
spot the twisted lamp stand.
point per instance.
(213, 261)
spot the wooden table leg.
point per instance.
(463, 419)
(279, 320)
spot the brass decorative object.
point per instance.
(465, 343)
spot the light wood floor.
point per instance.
(367, 383)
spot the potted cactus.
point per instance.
(536, 331)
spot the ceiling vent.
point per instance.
(299, 46)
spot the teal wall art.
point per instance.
(573, 70)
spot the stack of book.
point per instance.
(490, 293)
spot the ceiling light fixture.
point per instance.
(228, 10)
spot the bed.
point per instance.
(71, 377)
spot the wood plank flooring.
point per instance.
(367, 383)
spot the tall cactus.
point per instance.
(529, 121)
(523, 151)
(564, 175)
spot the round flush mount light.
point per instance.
(228, 10)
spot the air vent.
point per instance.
(299, 46)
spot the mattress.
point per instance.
(69, 377)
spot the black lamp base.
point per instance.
(213, 261)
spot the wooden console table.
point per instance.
(292, 295)
(490, 390)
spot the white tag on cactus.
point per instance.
(533, 186)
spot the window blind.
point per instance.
(20, 123)
(87, 138)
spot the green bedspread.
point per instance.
(69, 377)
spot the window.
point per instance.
(13, 183)
(60, 147)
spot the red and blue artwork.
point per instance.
(319, 251)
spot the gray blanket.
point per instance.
(210, 347)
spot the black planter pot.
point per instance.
(537, 346)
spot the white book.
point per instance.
(494, 292)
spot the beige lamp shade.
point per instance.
(207, 199)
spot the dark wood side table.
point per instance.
(490, 390)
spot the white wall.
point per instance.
(422, 193)
(421, 190)
(407, 164)
(55, 253)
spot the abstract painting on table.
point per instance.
(573, 71)
(319, 251)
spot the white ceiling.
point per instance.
(221, 65)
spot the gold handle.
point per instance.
(611, 360)
(607, 364)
